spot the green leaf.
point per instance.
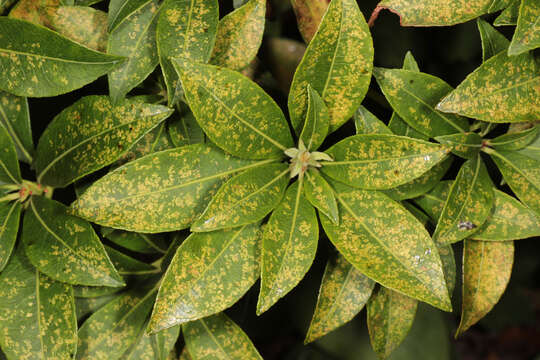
(38, 314)
(491, 95)
(235, 113)
(449, 266)
(493, 42)
(465, 145)
(153, 347)
(509, 16)
(120, 10)
(527, 34)
(15, 117)
(10, 214)
(497, 5)
(47, 65)
(319, 193)
(126, 265)
(413, 96)
(533, 149)
(35, 11)
(65, 247)
(187, 29)
(509, 220)
(386, 243)
(390, 316)
(90, 292)
(309, 14)
(344, 292)
(135, 39)
(142, 243)
(239, 36)
(317, 121)
(218, 337)
(9, 165)
(515, 141)
(87, 306)
(91, 134)
(209, 273)
(486, 271)
(244, 199)
(433, 201)
(126, 199)
(114, 328)
(468, 205)
(367, 123)
(184, 130)
(522, 174)
(289, 244)
(381, 161)
(337, 64)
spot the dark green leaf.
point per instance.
(497, 5)
(90, 292)
(10, 214)
(87, 306)
(509, 16)
(465, 145)
(120, 10)
(515, 141)
(493, 42)
(367, 123)
(15, 118)
(126, 265)
(317, 121)
(320, 195)
(527, 34)
(9, 165)
(184, 130)
(143, 243)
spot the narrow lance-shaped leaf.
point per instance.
(337, 64)
(317, 121)
(289, 244)
(486, 271)
(388, 244)
(527, 34)
(381, 161)
(15, 117)
(491, 95)
(10, 214)
(309, 14)
(209, 273)
(468, 204)
(367, 123)
(235, 113)
(493, 42)
(344, 292)
(508, 16)
(37, 314)
(320, 194)
(65, 247)
(126, 265)
(9, 165)
(142, 243)
(516, 140)
(90, 292)
(120, 10)
(465, 145)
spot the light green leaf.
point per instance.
(309, 14)
(386, 242)
(509, 16)
(289, 244)
(239, 36)
(235, 113)
(486, 271)
(187, 29)
(120, 10)
(37, 314)
(493, 42)
(183, 181)
(319, 193)
(65, 247)
(515, 141)
(413, 96)
(381, 161)
(468, 205)
(337, 64)
(153, 347)
(317, 121)
(491, 95)
(135, 39)
(465, 145)
(142, 243)
(126, 265)
(245, 198)
(433, 201)
(9, 165)
(10, 214)
(390, 316)
(527, 34)
(209, 273)
(91, 134)
(184, 130)
(14, 116)
(218, 338)
(367, 123)
(344, 292)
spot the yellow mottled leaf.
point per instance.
(309, 14)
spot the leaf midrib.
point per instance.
(215, 340)
(368, 161)
(14, 134)
(516, 169)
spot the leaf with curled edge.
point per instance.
(337, 64)
(10, 173)
(10, 215)
(15, 118)
(527, 34)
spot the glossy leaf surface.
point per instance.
(527, 34)
(15, 118)
(317, 121)
(465, 145)
(320, 194)
(9, 165)
(10, 214)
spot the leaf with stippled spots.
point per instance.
(187, 29)
(10, 173)
(388, 244)
(344, 292)
(433, 201)
(515, 141)
(209, 273)
(527, 34)
(235, 113)
(218, 337)
(289, 244)
(10, 214)
(508, 16)
(153, 347)
(533, 149)
(184, 130)
(309, 14)
(487, 266)
(493, 42)
(390, 316)
(239, 36)
(135, 39)
(65, 247)
(337, 64)
(381, 162)
(320, 194)
(465, 145)
(468, 205)
(126, 265)
(491, 95)
(91, 134)
(35, 11)
(244, 199)
(120, 10)
(15, 118)
(367, 123)
(413, 96)
(317, 121)
(37, 314)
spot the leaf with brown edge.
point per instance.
(337, 64)
(15, 118)
(343, 293)
(10, 215)
(390, 316)
(309, 14)
(218, 337)
(388, 244)
(508, 16)
(491, 95)
(239, 36)
(465, 145)
(468, 205)
(320, 194)
(493, 42)
(527, 34)
(367, 123)
(487, 267)
(209, 273)
(516, 140)
(381, 162)
(10, 173)
(289, 244)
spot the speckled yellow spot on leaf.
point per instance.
(527, 34)
(82, 24)
(9, 165)
(15, 118)
(309, 14)
(320, 194)
(317, 121)
(10, 214)
(465, 145)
